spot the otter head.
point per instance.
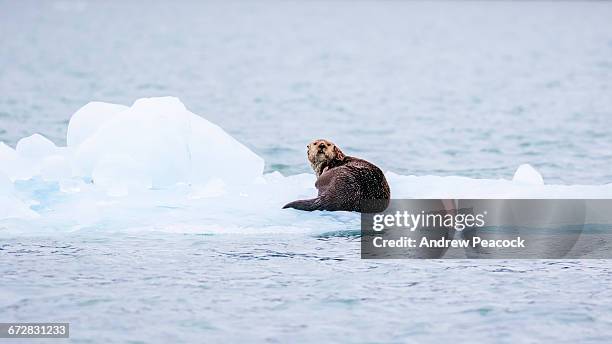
(324, 154)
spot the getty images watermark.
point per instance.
(476, 228)
(407, 221)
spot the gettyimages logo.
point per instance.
(427, 220)
(472, 228)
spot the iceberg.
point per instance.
(157, 166)
(159, 140)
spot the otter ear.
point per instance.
(338, 153)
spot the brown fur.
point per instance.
(343, 182)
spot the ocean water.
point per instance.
(447, 88)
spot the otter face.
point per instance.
(321, 153)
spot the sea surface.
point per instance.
(468, 89)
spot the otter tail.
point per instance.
(303, 204)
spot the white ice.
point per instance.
(10, 205)
(157, 143)
(157, 166)
(527, 174)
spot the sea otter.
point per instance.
(344, 182)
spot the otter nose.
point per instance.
(322, 145)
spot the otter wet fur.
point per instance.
(344, 182)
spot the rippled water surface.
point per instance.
(165, 288)
(445, 88)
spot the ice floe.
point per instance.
(157, 166)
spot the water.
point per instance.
(443, 88)
(168, 288)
